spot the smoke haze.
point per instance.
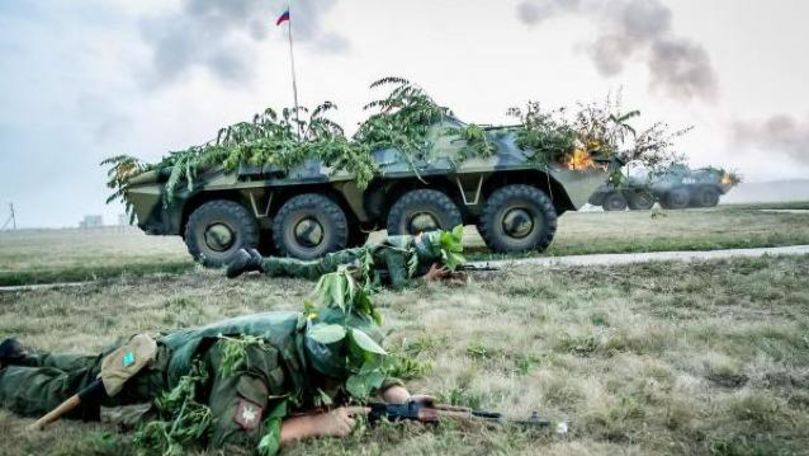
(777, 135)
(636, 30)
(221, 37)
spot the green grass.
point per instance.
(659, 358)
(725, 227)
(48, 256)
(93, 272)
(31, 257)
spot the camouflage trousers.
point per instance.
(390, 265)
(42, 382)
(310, 270)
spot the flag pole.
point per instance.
(294, 79)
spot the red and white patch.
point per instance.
(248, 415)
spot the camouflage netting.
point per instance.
(402, 120)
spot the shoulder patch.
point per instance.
(248, 414)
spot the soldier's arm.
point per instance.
(240, 400)
(396, 265)
(336, 423)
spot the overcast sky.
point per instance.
(81, 80)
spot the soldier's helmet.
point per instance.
(331, 359)
(344, 308)
(440, 245)
(428, 245)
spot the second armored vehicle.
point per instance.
(677, 187)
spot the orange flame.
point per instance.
(580, 160)
(727, 180)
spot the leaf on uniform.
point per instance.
(360, 386)
(366, 343)
(331, 290)
(327, 333)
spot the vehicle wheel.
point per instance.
(216, 230)
(309, 226)
(597, 198)
(677, 198)
(516, 218)
(615, 201)
(423, 210)
(706, 197)
(641, 201)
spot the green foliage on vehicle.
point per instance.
(405, 120)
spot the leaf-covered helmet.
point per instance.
(329, 337)
(440, 245)
(342, 338)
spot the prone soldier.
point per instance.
(395, 260)
(252, 378)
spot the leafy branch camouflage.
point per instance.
(182, 421)
(402, 120)
(234, 352)
(364, 359)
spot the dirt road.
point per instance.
(627, 258)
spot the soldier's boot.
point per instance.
(244, 261)
(11, 352)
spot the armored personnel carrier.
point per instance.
(676, 187)
(310, 210)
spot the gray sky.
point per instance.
(81, 80)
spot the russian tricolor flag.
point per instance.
(283, 18)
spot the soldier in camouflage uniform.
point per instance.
(287, 369)
(395, 260)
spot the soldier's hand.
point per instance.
(339, 422)
(436, 272)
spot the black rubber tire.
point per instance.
(432, 202)
(597, 198)
(232, 215)
(641, 201)
(531, 200)
(614, 202)
(676, 198)
(706, 197)
(328, 214)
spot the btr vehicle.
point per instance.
(676, 187)
(311, 210)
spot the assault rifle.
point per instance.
(477, 267)
(427, 412)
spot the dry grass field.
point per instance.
(659, 358)
(46, 256)
(665, 358)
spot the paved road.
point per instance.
(628, 258)
(573, 260)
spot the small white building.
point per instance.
(91, 221)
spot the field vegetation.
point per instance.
(659, 358)
(47, 256)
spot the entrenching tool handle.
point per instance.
(67, 406)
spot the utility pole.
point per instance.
(11, 220)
